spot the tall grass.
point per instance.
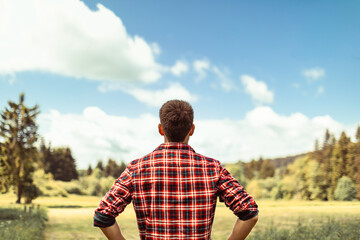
(330, 230)
(15, 223)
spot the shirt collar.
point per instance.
(174, 146)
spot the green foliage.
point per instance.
(237, 170)
(31, 191)
(313, 176)
(47, 186)
(259, 169)
(16, 224)
(59, 162)
(18, 135)
(345, 190)
(113, 169)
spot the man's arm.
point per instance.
(113, 203)
(242, 228)
(113, 232)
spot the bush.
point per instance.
(47, 186)
(345, 189)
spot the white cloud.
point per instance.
(225, 82)
(201, 67)
(95, 135)
(66, 37)
(156, 98)
(204, 67)
(179, 68)
(314, 74)
(257, 89)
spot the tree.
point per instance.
(63, 165)
(113, 169)
(18, 131)
(345, 190)
(357, 136)
(5, 170)
(326, 138)
(59, 162)
(339, 159)
(99, 165)
(266, 169)
(89, 170)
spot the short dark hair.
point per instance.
(176, 118)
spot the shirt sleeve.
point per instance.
(114, 201)
(235, 197)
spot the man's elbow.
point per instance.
(254, 219)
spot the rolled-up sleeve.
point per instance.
(114, 201)
(235, 197)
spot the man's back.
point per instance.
(174, 192)
(174, 189)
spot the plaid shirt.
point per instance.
(174, 192)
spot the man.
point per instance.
(174, 189)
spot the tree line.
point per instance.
(20, 158)
(330, 172)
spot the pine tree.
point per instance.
(316, 145)
(63, 166)
(99, 165)
(326, 138)
(339, 160)
(18, 131)
(89, 171)
(357, 136)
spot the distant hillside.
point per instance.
(284, 161)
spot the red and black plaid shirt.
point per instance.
(174, 192)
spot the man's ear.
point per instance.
(161, 131)
(192, 130)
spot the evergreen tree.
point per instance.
(5, 170)
(99, 165)
(59, 162)
(18, 132)
(113, 169)
(339, 160)
(357, 135)
(89, 171)
(326, 139)
(63, 165)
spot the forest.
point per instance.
(32, 168)
(330, 172)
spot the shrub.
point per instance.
(345, 189)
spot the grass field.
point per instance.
(71, 218)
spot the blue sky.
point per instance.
(264, 78)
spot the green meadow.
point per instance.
(71, 218)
